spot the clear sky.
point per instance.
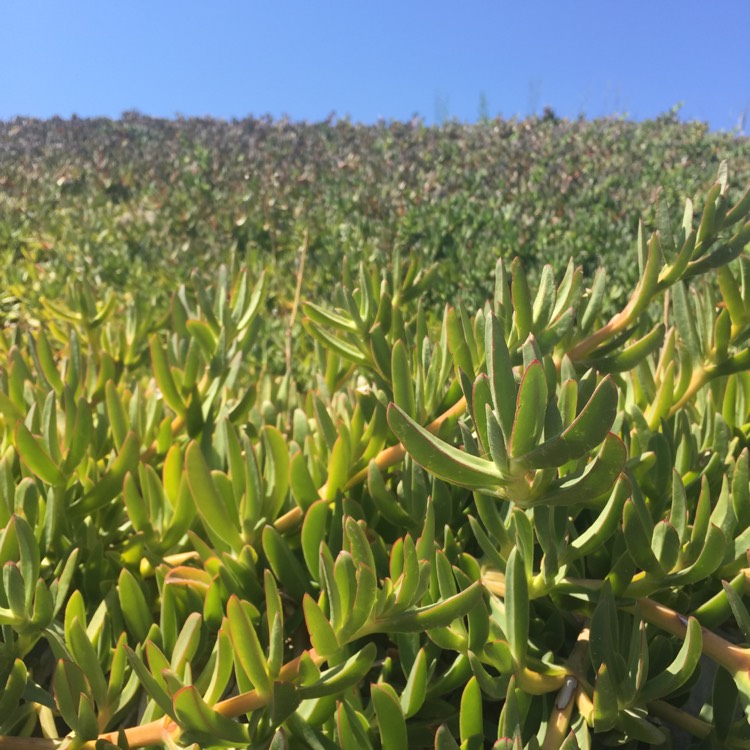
(370, 59)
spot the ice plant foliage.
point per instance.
(526, 526)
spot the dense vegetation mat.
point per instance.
(518, 523)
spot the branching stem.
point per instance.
(558, 725)
(155, 732)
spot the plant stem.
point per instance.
(558, 725)
(697, 381)
(29, 743)
(616, 323)
(155, 732)
(681, 719)
(151, 734)
(733, 658)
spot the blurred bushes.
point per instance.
(138, 202)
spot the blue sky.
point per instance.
(369, 59)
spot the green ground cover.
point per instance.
(314, 437)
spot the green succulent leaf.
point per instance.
(531, 406)
(204, 335)
(597, 479)
(322, 634)
(438, 615)
(605, 700)
(739, 610)
(248, 651)
(604, 526)
(440, 458)
(679, 671)
(36, 457)
(343, 676)
(500, 372)
(444, 739)
(517, 607)
(111, 484)
(415, 691)
(470, 718)
(197, 716)
(390, 717)
(589, 428)
(164, 377)
(13, 690)
(210, 504)
(285, 564)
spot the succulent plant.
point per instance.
(526, 527)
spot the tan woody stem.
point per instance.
(558, 726)
(733, 658)
(155, 732)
